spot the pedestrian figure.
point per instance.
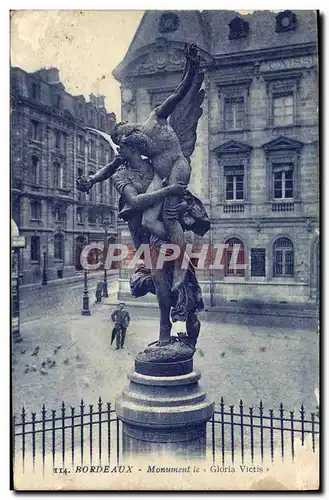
(99, 289)
(121, 319)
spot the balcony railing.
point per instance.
(283, 206)
(236, 208)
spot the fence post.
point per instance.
(213, 439)
(43, 420)
(23, 436)
(282, 430)
(222, 406)
(302, 417)
(53, 429)
(33, 441)
(232, 432)
(241, 429)
(13, 441)
(81, 429)
(251, 434)
(91, 433)
(100, 430)
(313, 431)
(109, 432)
(271, 436)
(261, 408)
(72, 435)
(292, 435)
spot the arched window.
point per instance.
(35, 249)
(59, 175)
(59, 247)
(283, 257)
(234, 257)
(35, 170)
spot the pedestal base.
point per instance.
(164, 413)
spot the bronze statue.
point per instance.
(155, 201)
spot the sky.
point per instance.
(84, 45)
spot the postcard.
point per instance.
(165, 250)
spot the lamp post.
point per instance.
(105, 290)
(44, 272)
(85, 297)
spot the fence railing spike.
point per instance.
(239, 428)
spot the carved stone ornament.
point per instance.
(162, 57)
(169, 21)
(239, 28)
(285, 21)
(127, 95)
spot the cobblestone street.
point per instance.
(236, 361)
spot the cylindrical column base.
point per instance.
(164, 414)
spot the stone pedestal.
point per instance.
(164, 410)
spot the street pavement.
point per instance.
(236, 361)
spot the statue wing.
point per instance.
(184, 119)
(107, 137)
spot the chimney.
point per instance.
(92, 99)
(52, 75)
(100, 101)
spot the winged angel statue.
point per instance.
(151, 171)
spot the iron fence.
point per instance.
(256, 432)
(92, 434)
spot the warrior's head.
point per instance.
(132, 145)
(123, 129)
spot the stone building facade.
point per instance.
(50, 147)
(256, 164)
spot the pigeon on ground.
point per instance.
(27, 368)
(34, 368)
(36, 350)
(51, 364)
(66, 361)
(23, 351)
(43, 371)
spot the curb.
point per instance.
(65, 281)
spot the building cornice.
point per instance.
(212, 62)
(18, 100)
(267, 54)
